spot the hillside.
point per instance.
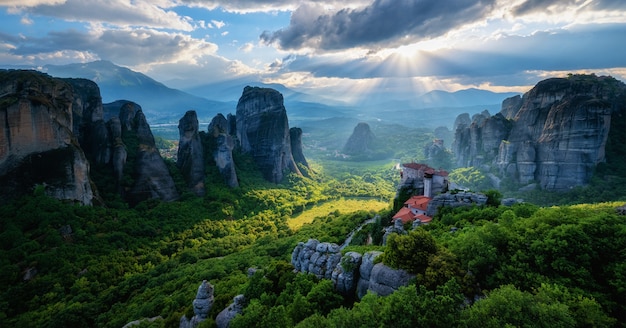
(161, 103)
(156, 230)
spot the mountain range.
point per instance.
(163, 104)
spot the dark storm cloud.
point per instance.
(382, 23)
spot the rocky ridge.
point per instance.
(555, 135)
(351, 273)
(55, 132)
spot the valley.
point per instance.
(160, 215)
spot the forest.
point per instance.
(66, 265)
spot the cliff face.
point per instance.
(37, 144)
(190, 153)
(150, 174)
(262, 130)
(556, 136)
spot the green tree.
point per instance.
(410, 252)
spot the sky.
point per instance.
(338, 49)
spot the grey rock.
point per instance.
(190, 158)
(224, 144)
(236, 307)
(295, 135)
(558, 132)
(385, 280)
(360, 141)
(152, 178)
(345, 276)
(38, 145)
(263, 131)
(201, 306)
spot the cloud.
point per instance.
(30, 3)
(117, 12)
(123, 46)
(26, 21)
(218, 24)
(248, 6)
(580, 47)
(558, 6)
(380, 24)
(247, 47)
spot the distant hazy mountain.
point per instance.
(231, 90)
(162, 104)
(159, 102)
(461, 98)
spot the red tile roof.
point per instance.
(405, 215)
(423, 218)
(425, 168)
(418, 202)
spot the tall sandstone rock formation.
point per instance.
(37, 143)
(555, 135)
(54, 133)
(360, 141)
(190, 159)
(149, 172)
(221, 145)
(263, 131)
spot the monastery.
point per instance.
(420, 177)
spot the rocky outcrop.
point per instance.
(236, 307)
(201, 306)
(397, 227)
(461, 198)
(316, 258)
(222, 145)
(360, 141)
(262, 130)
(38, 145)
(345, 276)
(385, 280)
(190, 159)
(295, 135)
(555, 135)
(351, 273)
(152, 178)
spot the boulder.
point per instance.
(236, 307)
(316, 258)
(345, 276)
(201, 306)
(385, 280)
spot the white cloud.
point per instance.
(29, 3)
(117, 12)
(247, 47)
(26, 21)
(218, 24)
